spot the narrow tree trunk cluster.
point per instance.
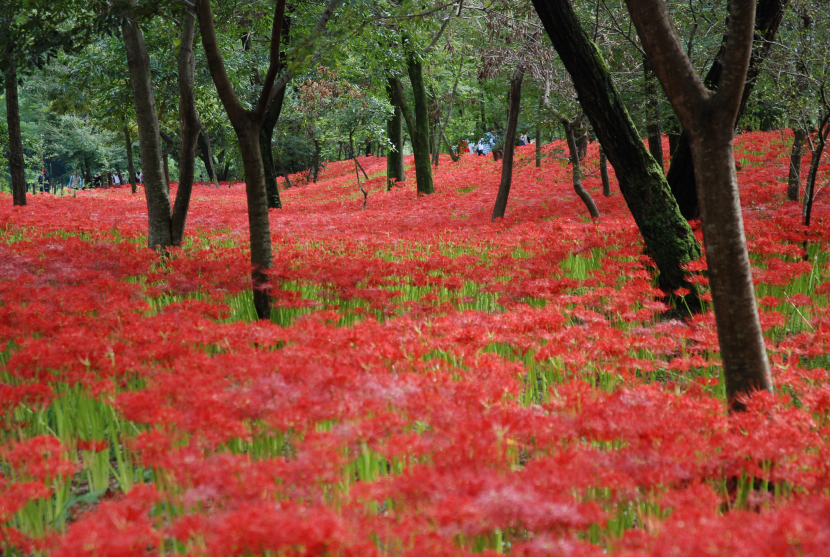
(794, 176)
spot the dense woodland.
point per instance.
(342, 277)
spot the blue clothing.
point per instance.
(487, 143)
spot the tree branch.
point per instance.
(273, 60)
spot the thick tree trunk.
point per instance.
(674, 139)
(260, 227)
(266, 135)
(420, 139)
(681, 176)
(190, 125)
(582, 143)
(709, 119)
(573, 149)
(603, 172)
(653, 128)
(794, 178)
(17, 165)
(130, 168)
(668, 237)
(158, 199)
(509, 143)
(394, 129)
(206, 154)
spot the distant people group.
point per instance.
(489, 140)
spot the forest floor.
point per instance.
(431, 383)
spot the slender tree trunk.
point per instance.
(794, 178)
(655, 142)
(539, 134)
(573, 149)
(206, 154)
(668, 237)
(603, 172)
(317, 150)
(158, 199)
(709, 119)
(130, 168)
(674, 139)
(266, 135)
(447, 119)
(394, 129)
(681, 176)
(582, 143)
(17, 165)
(818, 150)
(190, 125)
(509, 143)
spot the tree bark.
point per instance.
(509, 143)
(130, 167)
(573, 149)
(709, 119)
(420, 140)
(17, 165)
(159, 234)
(681, 176)
(653, 128)
(190, 126)
(266, 135)
(395, 171)
(818, 150)
(794, 178)
(206, 154)
(603, 172)
(668, 237)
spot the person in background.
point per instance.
(116, 179)
(523, 140)
(140, 177)
(96, 181)
(47, 181)
(487, 142)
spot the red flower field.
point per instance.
(431, 383)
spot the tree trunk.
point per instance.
(260, 227)
(17, 165)
(509, 143)
(674, 139)
(653, 128)
(681, 176)
(420, 139)
(394, 129)
(130, 168)
(794, 178)
(266, 135)
(709, 119)
(158, 199)
(206, 154)
(419, 135)
(317, 150)
(539, 135)
(582, 143)
(818, 150)
(190, 125)
(573, 149)
(603, 172)
(668, 237)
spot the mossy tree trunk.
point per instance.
(653, 128)
(668, 237)
(420, 138)
(394, 129)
